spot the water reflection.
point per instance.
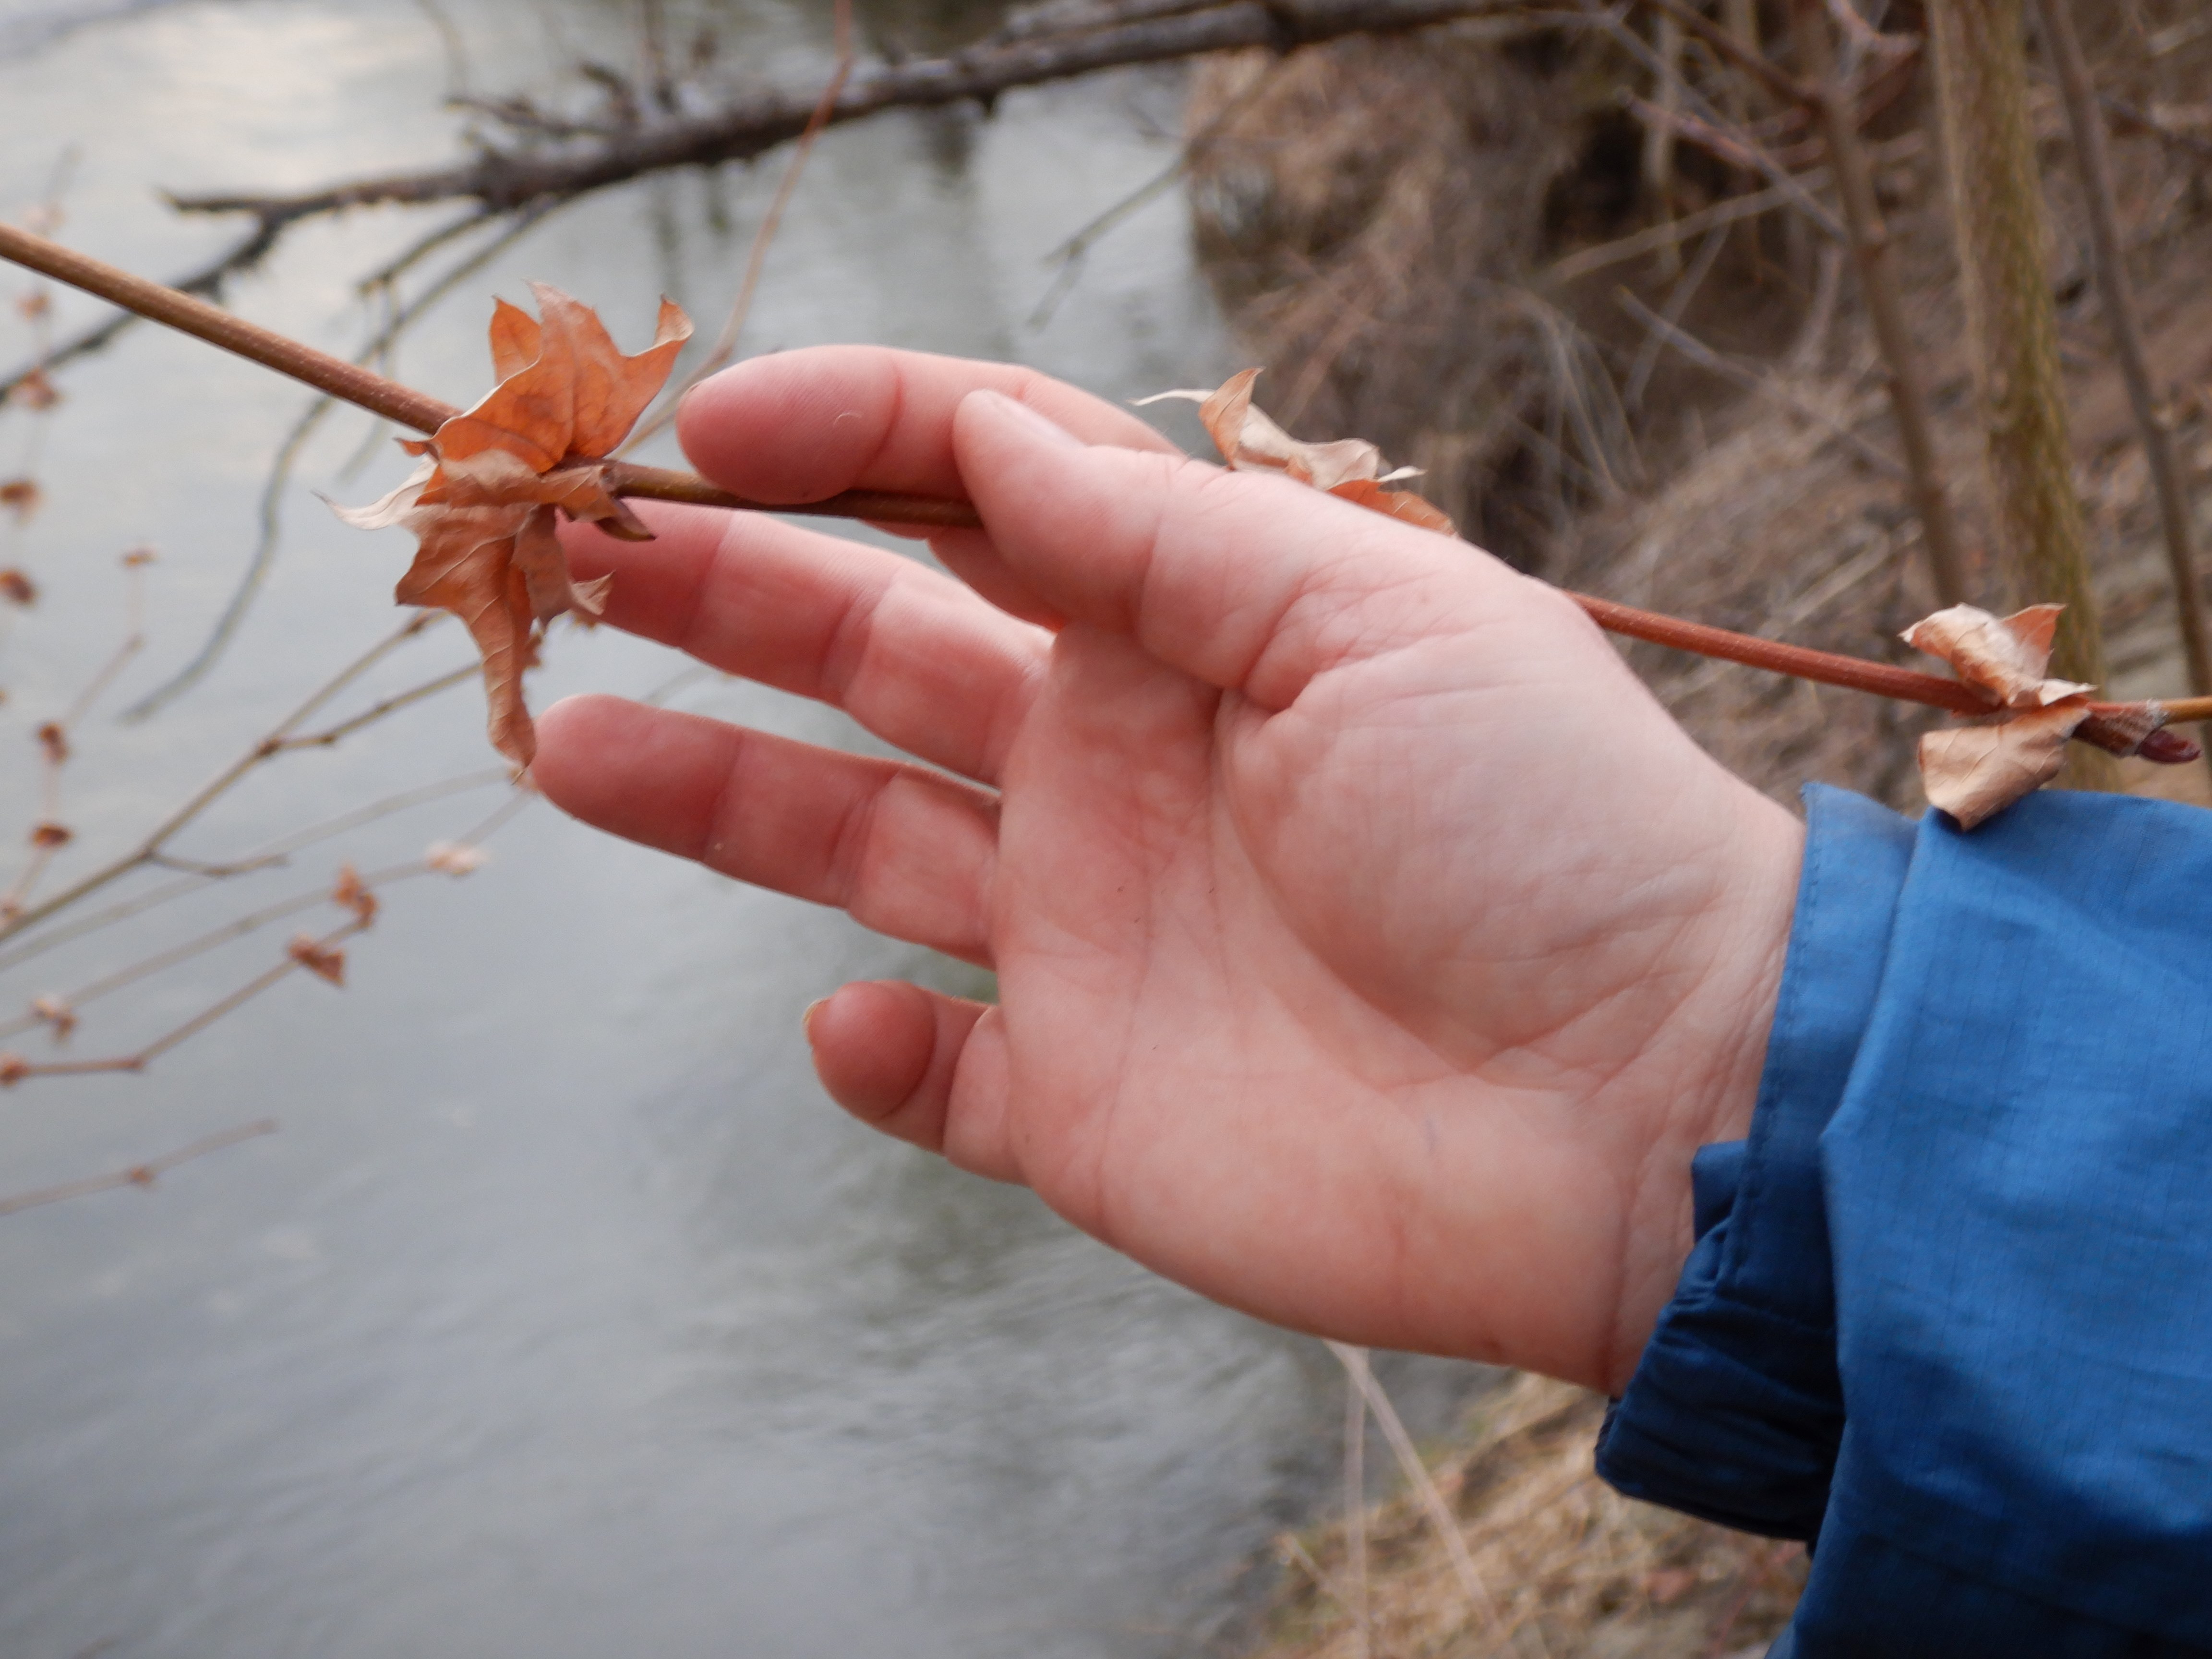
(563, 1317)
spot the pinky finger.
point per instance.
(919, 1065)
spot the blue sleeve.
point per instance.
(1949, 1313)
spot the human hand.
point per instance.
(1373, 952)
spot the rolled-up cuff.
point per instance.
(1736, 1412)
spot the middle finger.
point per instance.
(914, 656)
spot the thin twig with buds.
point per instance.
(375, 392)
(138, 1174)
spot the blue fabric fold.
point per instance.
(1949, 1312)
(2019, 1188)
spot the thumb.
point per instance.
(1245, 581)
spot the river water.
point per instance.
(561, 1317)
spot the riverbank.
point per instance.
(1447, 246)
(1550, 1559)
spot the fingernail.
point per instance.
(807, 1019)
(1021, 414)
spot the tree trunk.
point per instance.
(2012, 326)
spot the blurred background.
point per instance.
(562, 1316)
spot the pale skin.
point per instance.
(1373, 952)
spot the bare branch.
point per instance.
(271, 511)
(138, 1174)
(1731, 50)
(1764, 385)
(267, 856)
(750, 124)
(726, 342)
(207, 282)
(377, 711)
(1878, 282)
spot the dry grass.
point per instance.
(1379, 220)
(1575, 1570)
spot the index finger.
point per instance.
(800, 426)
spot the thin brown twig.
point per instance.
(377, 711)
(1731, 50)
(1752, 152)
(14, 1069)
(53, 738)
(138, 1174)
(1870, 245)
(1584, 261)
(1761, 384)
(734, 326)
(1424, 1486)
(270, 512)
(269, 855)
(245, 993)
(157, 839)
(207, 280)
(1069, 256)
(417, 410)
(375, 392)
(2138, 120)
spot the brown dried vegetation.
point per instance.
(1570, 1566)
(1427, 242)
(1449, 246)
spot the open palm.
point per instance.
(1372, 951)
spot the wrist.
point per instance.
(1715, 1054)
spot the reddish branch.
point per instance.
(2110, 727)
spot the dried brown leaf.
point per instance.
(14, 1068)
(453, 857)
(351, 893)
(324, 962)
(1975, 772)
(34, 392)
(17, 588)
(54, 742)
(46, 837)
(58, 1014)
(1351, 469)
(483, 504)
(2006, 657)
(22, 496)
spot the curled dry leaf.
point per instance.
(453, 857)
(47, 836)
(18, 588)
(34, 392)
(481, 504)
(14, 1068)
(1351, 469)
(58, 1016)
(53, 742)
(1975, 771)
(324, 962)
(351, 893)
(2006, 656)
(22, 496)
